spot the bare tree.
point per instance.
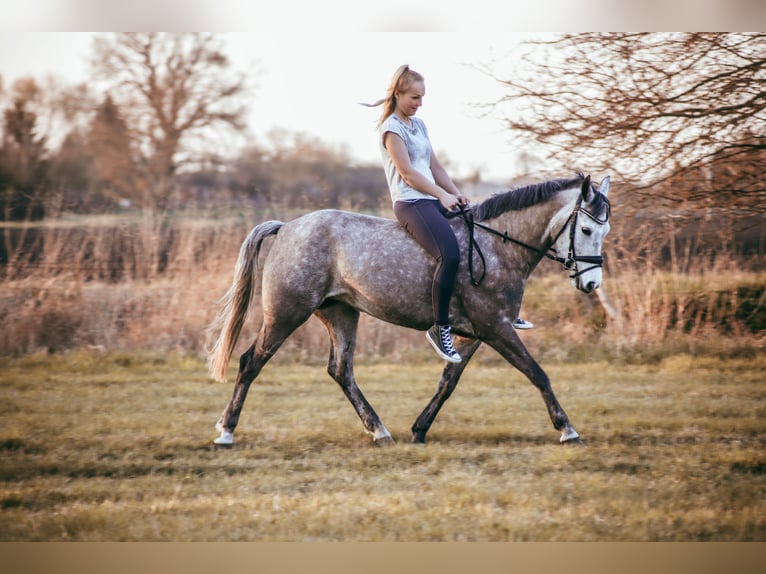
(679, 117)
(296, 170)
(173, 90)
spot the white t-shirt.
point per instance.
(418, 146)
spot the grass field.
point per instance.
(116, 446)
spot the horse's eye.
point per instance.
(587, 231)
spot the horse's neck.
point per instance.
(560, 210)
(539, 224)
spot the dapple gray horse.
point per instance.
(336, 264)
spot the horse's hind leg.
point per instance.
(450, 376)
(269, 339)
(341, 322)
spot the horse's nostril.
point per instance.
(590, 286)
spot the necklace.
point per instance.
(411, 127)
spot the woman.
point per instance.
(422, 193)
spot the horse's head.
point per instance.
(583, 236)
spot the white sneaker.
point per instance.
(522, 324)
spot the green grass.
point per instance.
(117, 446)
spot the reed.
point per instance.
(146, 281)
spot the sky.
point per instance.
(313, 83)
(314, 61)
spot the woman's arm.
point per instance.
(444, 181)
(398, 152)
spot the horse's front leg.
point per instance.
(509, 345)
(450, 376)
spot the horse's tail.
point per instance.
(236, 303)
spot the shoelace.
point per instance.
(446, 339)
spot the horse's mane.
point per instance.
(526, 196)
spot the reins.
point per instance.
(467, 216)
(569, 262)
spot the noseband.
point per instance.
(569, 262)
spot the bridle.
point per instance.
(569, 262)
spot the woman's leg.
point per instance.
(425, 222)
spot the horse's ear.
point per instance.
(603, 187)
(585, 189)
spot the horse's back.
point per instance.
(332, 232)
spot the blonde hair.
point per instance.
(401, 81)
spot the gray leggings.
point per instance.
(424, 219)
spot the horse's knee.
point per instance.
(334, 365)
(333, 370)
(540, 380)
(342, 375)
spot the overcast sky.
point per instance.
(313, 61)
(313, 84)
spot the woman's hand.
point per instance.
(452, 202)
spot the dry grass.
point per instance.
(117, 446)
(104, 440)
(143, 282)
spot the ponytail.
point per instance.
(400, 82)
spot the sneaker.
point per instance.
(522, 324)
(441, 341)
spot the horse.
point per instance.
(337, 264)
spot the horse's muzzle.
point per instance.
(585, 283)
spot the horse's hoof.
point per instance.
(568, 434)
(226, 440)
(573, 442)
(418, 438)
(384, 441)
